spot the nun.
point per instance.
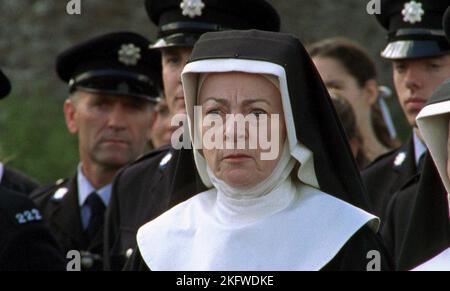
(304, 209)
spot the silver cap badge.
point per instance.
(413, 12)
(129, 54)
(192, 8)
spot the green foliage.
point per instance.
(34, 138)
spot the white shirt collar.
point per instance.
(1, 171)
(419, 148)
(85, 188)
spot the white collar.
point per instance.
(232, 211)
(1, 171)
(419, 147)
(304, 232)
(85, 188)
(440, 262)
(432, 121)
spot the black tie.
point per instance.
(97, 207)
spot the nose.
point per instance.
(116, 118)
(413, 79)
(236, 131)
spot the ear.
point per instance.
(371, 91)
(70, 116)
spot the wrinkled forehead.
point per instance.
(110, 97)
(251, 85)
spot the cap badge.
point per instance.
(192, 8)
(129, 54)
(413, 12)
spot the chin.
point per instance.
(181, 110)
(412, 122)
(239, 182)
(115, 161)
(411, 116)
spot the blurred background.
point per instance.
(33, 136)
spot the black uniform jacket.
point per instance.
(17, 181)
(417, 224)
(59, 206)
(387, 174)
(143, 191)
(25, 242)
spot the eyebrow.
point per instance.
(226, 102)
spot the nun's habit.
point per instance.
(440, 262)
(310, 215)
(417, 227)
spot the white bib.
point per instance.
(305, 235)
(439, 263)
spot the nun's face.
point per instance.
(224, 95)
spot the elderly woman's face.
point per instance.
(223, 95)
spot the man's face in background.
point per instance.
(173, 61)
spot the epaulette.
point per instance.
(41, 191)
(381, 157)
(152, 154)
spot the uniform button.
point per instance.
(87, 262)
(128, 253)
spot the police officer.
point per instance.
(168, 176)
(10, 178)
(417, 226)
(25, 242)
(420, 57)
(114, 82)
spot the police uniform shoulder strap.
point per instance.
(390, 154)
(40, 192)
(152, 154)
